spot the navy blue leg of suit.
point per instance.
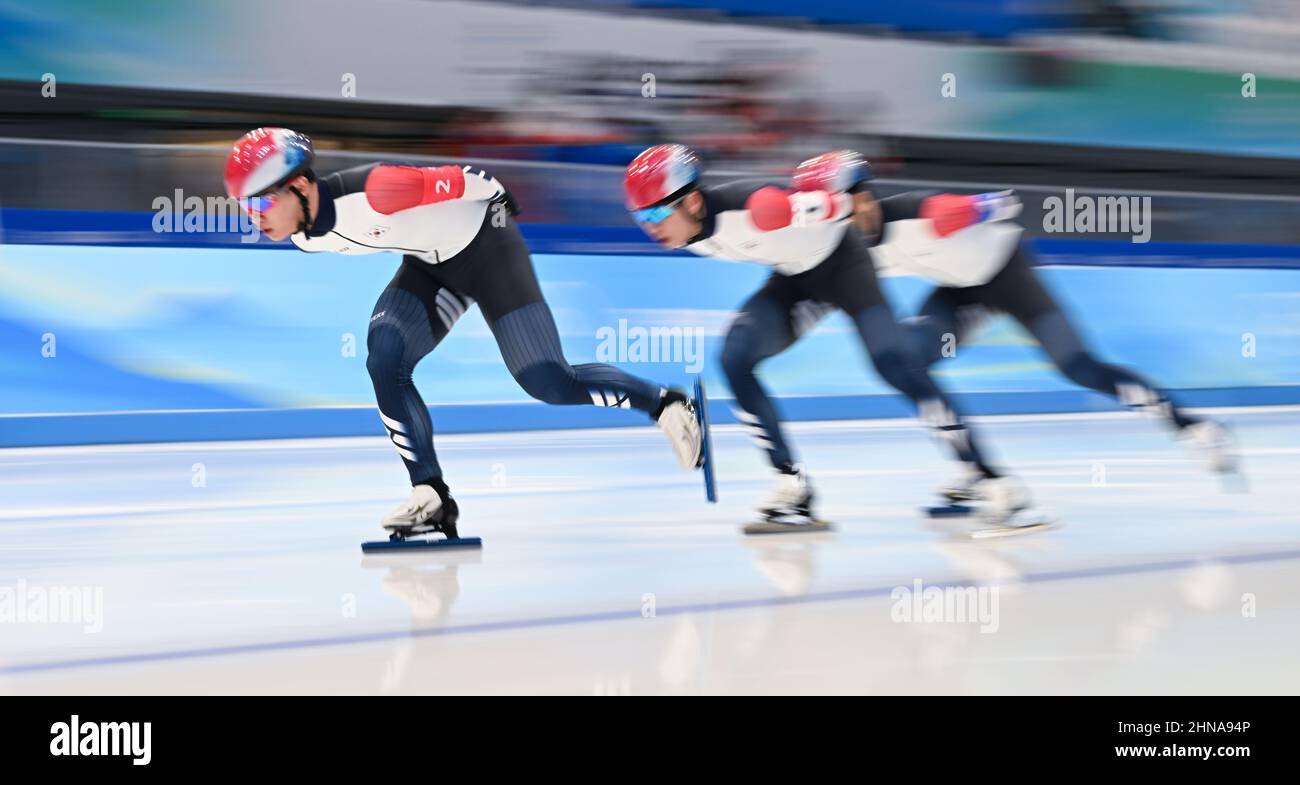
(401, 334)
(530, 345)
(1016, 291)
(787, 306)
(421, 304)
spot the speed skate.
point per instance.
(1001, 507)
(788, 507)
(1017, 523)
(411, 537)
(1020, 522)
(781, 527)
(399, 542)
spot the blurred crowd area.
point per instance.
(736, 106)
(114, 115)
(985, 18)
(134, 178)
(1140, 94)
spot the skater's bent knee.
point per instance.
(1085, 370)
(903, 370)
(384, 360)
(923, 338)
(738, 358)
(550, 382)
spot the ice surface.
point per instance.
(235, 567)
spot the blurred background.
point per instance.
(126, 287)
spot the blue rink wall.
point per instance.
(134, 343)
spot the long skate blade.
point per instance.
(706, 439)
(423, 557)
(775, 527)
(417, 544)
(948, 511)
(1021, 523)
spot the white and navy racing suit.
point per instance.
(987, 269)
(459, 248)
(817, 267)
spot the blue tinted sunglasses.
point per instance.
(655, 215)
(259, 204)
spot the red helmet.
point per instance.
(265, 159)
(839, 171)
(658, 174)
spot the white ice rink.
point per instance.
(235, 567)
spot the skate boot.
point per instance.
(956, 496)
(1006, 508)
(677, 419)
(788, 507)
(962, 488)
(1215, 442)
(428, 510)
(424, 512)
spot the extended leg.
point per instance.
(530, 345)
(1018, 291)
(498, 273)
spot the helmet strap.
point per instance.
(305, 224)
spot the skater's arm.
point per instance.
(391, 189)
(950, 212)
(772, 208)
